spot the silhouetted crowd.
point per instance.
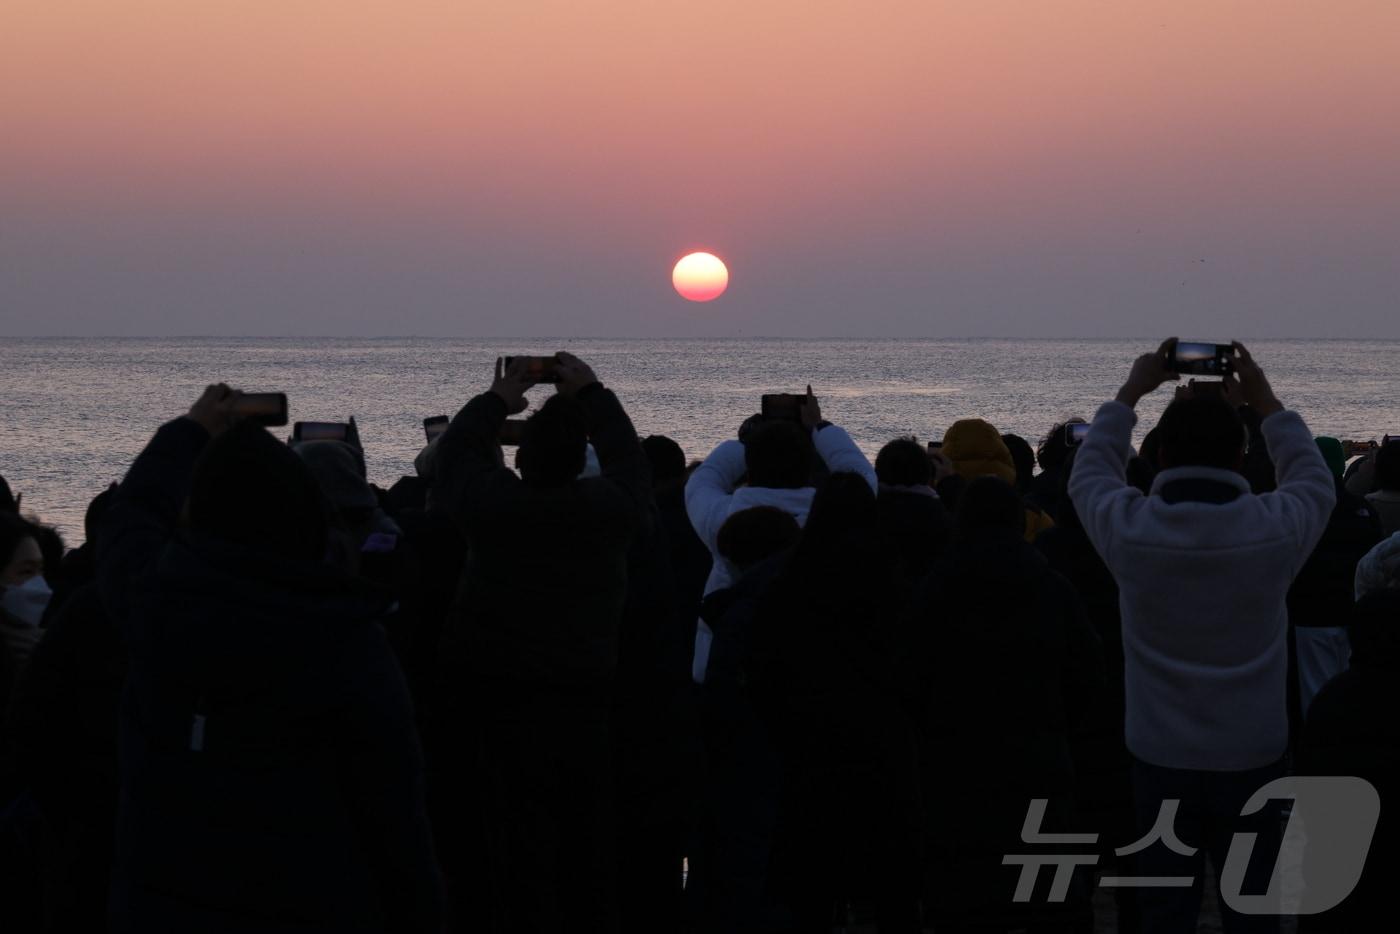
(778, 690)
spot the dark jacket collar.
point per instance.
(1211, 485)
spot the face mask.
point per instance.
(28, 601)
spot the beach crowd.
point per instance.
(565, 679)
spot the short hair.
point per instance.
(1022, 457)
(753, 535)
(1055, 449)
(1201, 431)
(665, 456)
(554, 443)
(986, 504)
(1388, 466)
(903, 462)
(778, 455)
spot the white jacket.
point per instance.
(711, 498)
(1202, 590)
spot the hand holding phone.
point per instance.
(434, 426)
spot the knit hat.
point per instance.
(1333, 454)
(976, 450)
(1379, 569)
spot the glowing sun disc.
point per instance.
(700, 277)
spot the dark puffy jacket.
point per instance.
(64, 725)
(1322, 593)
(1007, 664)
(271, 777)
(1103, 766)
(1352, 730)
(545, 581)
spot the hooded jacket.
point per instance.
(977, 450)
(713, 494)
(1203, 568)
(271, 777)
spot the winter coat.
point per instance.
(538, 610)
(1321, 594)
(271, 777)
(712, 495)
(1203, 567)
(1352, 730)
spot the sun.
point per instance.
(700, 277)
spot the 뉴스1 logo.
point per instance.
(1341, 812)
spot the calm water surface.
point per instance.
(77, 411)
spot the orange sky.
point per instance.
(930, 156)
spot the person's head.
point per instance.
(1334, 455)
(903, 462)
(8, 503)
(1151, 449)
(1055, 449)
(843, 508)
(1201, 431)
(666, 458)
(1022, 458)
(20, 555)
(1379, 568)
(97, 509)
(778, 455)
(989, 505)
(251, 490)
(339, 469)
(976, 450)
(753, 535)
(553, 444)
(1388, 467)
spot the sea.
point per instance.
(77, 411)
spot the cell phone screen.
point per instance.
(320, 431)
(537, 369)
(1076, 433)
(1194, 358)
(935, 445)
(262, 408)
(434, 426)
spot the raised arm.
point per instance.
(710, 488)
(1306, 492)
(834, 446)
(1098, 484)
(468, 461)
(147, 505)
(620, 454)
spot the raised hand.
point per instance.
(214, 409)
(811, 410)
(1149, 371)
(511, 385)
(573, 374)
(1253, 387)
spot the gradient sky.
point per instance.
(931, 168)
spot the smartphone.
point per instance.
(434, 426)
(1076, 432)
(538, 369)
(935, 445)
(262, 408)
(321, 431)
(783, 406)
(1192, 358)
(512, 430)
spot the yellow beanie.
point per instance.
(976, 450)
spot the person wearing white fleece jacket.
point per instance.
(1203, 568)
(712, 493)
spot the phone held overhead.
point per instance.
(1194, 358)
(537, 369)
(262, 408)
